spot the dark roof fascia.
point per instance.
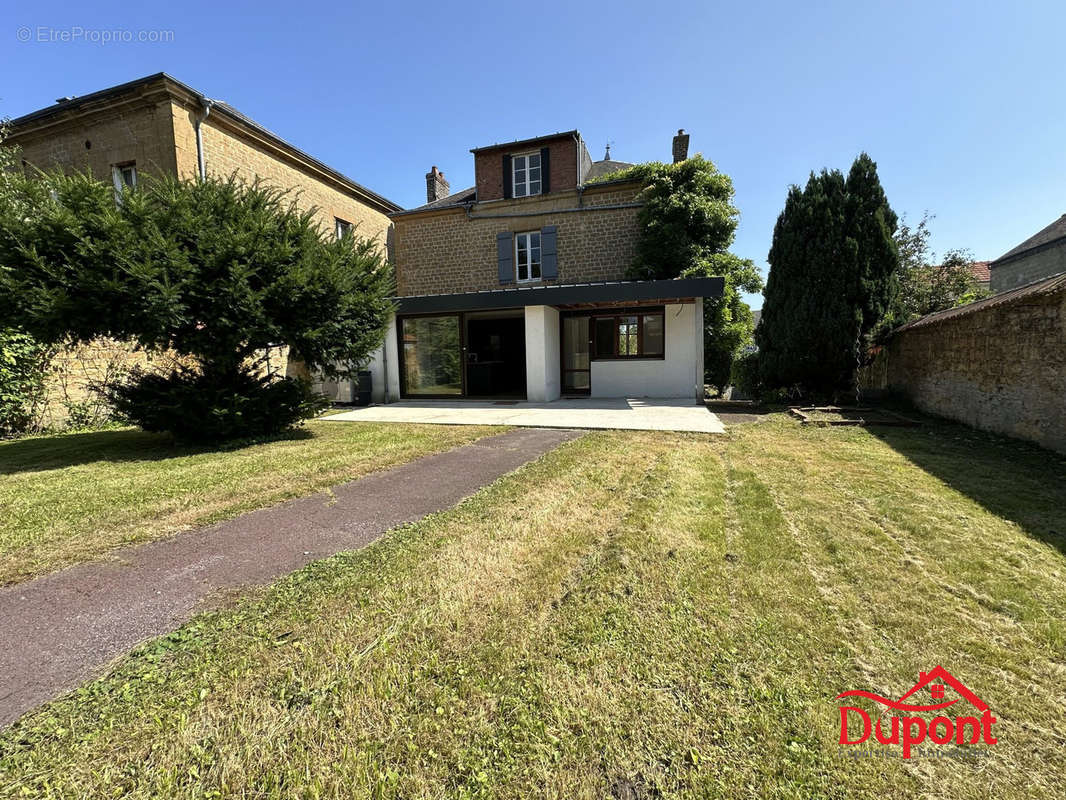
(1039, 248)
(525, 142)
(565, 294)
(584, 188)
(86, 99)
(221, 108)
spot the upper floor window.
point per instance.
(526, 174)
(342, 227)
(124, 176)
(527, 256)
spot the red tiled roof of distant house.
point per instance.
(980, 271)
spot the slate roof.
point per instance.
(453, 200)
(1052, 233)
(605, 167)
(1045, 286)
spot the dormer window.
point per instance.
(526, 174)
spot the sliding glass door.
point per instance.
(431, 357)
(576, 367)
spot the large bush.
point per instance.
(213, 271)
(200, 407)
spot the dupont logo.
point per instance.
(856, 726)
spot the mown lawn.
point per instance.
(74, 497)
(634, 615)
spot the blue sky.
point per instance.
(961, 104)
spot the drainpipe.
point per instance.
(205, 104)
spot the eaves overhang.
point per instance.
(662, 291)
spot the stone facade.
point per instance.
(444, 251)
(139, 131)
(998, 365)
(151, 124)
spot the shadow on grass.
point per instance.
(1012, 479)
(42, 453)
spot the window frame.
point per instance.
(342, 227)
(525, 183)
(617, 315)
(529, 263)
(118, 178)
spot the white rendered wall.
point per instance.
(542, 354)
(679, 374)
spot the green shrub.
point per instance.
(744, 374)
(213, 272)
(23, 368)
(198, 407)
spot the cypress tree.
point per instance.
(832, 278)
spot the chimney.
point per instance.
(680, 145)
(436, 186)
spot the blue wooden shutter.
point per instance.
(545, 172)
(549, 264)
(505, 257)
(508, 177)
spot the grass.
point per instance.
(74, 497)
(634, 615)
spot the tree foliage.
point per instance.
(213, 271)
(833, 278)
(688, 222)
(926, 286)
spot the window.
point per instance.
(632, 334)
(527, 256)
(343, 227)
(123, 176)
(526, 174)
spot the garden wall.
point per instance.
(998, 364)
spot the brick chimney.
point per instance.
(436, 186)
(680, 145)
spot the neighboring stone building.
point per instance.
(1040, 256)
(158, 125)
(998, 364)
(515, 287)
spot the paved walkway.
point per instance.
(60, 630)
(676, 414)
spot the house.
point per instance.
(515, 287)
(981, 274)
(1040, 256)
(159, 125)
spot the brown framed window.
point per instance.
(629, 334)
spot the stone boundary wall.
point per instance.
(998, 365)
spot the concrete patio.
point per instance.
(646, 414)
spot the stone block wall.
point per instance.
(228, 150)
(140, 130)
(439, 252)
(1000, 367)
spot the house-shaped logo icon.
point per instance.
(940, 730)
